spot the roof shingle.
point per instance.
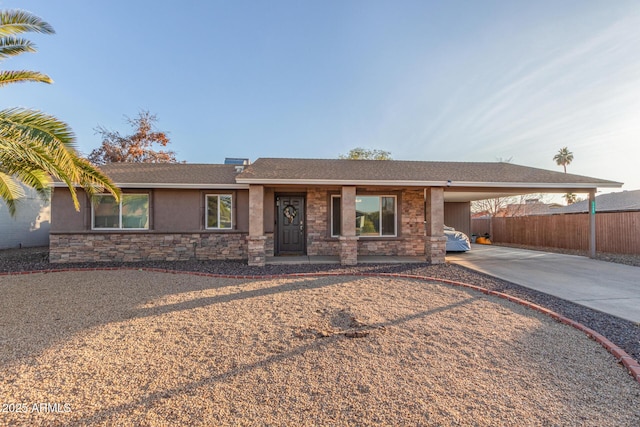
(339, 170)
(170, 173)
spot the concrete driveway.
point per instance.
(605, 286)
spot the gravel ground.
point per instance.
(623, 333)
(142, 348)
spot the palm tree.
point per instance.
(563, 158)
(34, 146)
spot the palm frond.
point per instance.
(20, 21)
(19, 151)
(10, 191)
(23, 76)
(36, 179)
(31, 140)
(94, 181)
(38, 125)
(12, 46)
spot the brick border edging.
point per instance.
(633, 367)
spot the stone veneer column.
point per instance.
(348, 238)
(435, 245)
(256, 240)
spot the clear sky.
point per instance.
(426, 80)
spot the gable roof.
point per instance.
(411, 173)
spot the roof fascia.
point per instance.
(172, 186)
(406, 183)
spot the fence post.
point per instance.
(592, 224)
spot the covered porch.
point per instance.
(333, 215)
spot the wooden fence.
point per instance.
(616, 232)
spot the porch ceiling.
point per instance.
(470, 195)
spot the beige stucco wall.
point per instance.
(64, 217)
(171, 211)
(458, 216)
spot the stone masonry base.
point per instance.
(257, 253)
(435, 249)
(348, 250)
(131, 247)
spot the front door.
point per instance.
(290, 224)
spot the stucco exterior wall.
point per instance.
(176, 230)
(30, 225)
(458, 216)
(170, 211)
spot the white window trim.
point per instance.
(380, 196)
(206, 208)
(93, 214)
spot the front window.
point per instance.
(219, 211)
(375, 216)
(131, 213)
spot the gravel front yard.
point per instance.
(146, 348)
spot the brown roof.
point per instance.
(345, 172)
(398, 172)
(171, 175)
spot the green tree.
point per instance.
(35, 146)
(563, 158)
(135, 148)
(366, 154)
(571, 198)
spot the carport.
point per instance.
(463, 193)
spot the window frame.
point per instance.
(206, 211)
(380, 235)
(335, 196)
(120, 224)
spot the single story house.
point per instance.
(278, 206)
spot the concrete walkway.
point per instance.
(604, 286)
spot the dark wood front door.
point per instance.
(290, 224)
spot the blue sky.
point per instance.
(425, 80)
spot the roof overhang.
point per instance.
(180, 186)
(450, 184)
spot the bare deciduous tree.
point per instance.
(136, 148)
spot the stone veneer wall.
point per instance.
(269, 245)
(410, 241)
(319, 240)
(129, 247)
